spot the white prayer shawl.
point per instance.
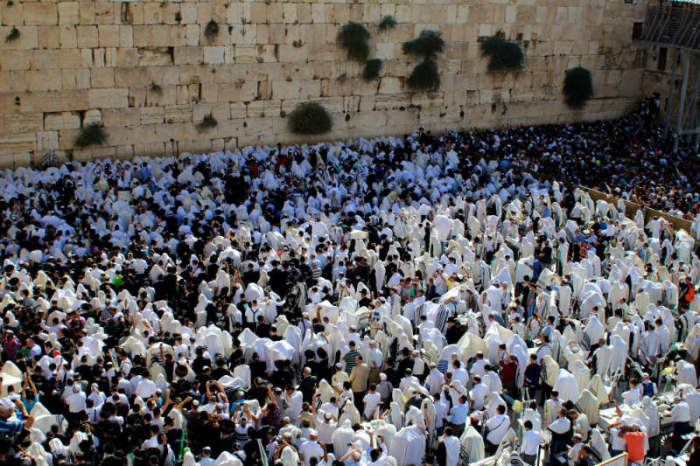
(472, 449)
(567, 386)
(408, 446)
(588, 404)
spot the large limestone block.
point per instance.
(390, 85)
(108, 98)
(214, 55)
(296, 89)
(14, 60)
(48, 36)
(68, 13)
(108, 35)
(21, 123)
(40, 13)
(42, 80)
(61, 120)
(87, 36)
(47, 140)
(239, 91)
(151, 115)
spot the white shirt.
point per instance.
(681, 412)
(631, 396)
(146, 388)
(479, 367)
(76, 402)
(531, 442)
(478, 394)
(371, 401)
(311, 449)
(461, 375)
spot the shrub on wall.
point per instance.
(207, 123)
(425, 77)
(353, 38)
(12, 35)
(211, 30)
(427, 45)
(91, 135)
(503, 55)
(372, 69)
(578, 87)
(310, 118)
(387, 22)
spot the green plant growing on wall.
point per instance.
(427, 45)
(12, 35)
(387, 22)
(578, 87)
(211, 30)
(372, 69)
(503, 55)
(91, 135)
(207, 123)
(309, 118)
(353, 38)
(425, 77)
(156, 89)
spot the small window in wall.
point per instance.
(630, 1)
(663, 54)
(637, 28)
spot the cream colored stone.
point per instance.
(40, 13)
(214, 55)
(108, 98)
(62, 120)
(87, 36)
(68, 13)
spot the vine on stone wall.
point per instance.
(578, 87)
(503, 55)
(91, 135)
(425, 76)
(310, 118)
(353, 38)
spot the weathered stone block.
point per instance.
(108, 35)
(68, 13)
(87, 37)
(61, 120)
(40, 13)
(92, 117)
(108, 98)
(214, 55)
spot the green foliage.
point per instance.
(207, 123)
(372, 69)
(211, 30)
(353, 38)
(156, 89)
(427, 45)
(310, 118)
(425, 77)
(578, 87)
(91, 135)
(387, 22)
(503, 55)
(12, 35)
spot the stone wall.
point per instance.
(146, 71)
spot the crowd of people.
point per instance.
(431, 299)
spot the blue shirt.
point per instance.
(11, 428)
(458, 414)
